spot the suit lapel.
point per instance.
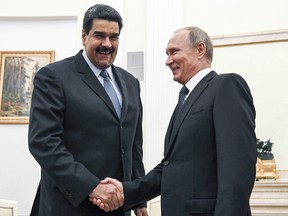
(169, 131)
(192, 98)
(92, 81)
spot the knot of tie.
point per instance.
(182, 94)
(104, 74)
(184, 90)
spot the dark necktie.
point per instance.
(111, 91)
(182, 94)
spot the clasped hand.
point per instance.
(108, 195)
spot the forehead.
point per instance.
(107, 26)
(178, 39)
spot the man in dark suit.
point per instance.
(210, 145)
(75, 132)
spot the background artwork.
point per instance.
(16, 82)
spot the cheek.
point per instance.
(115, 45)
(92, 43)
(115, 51)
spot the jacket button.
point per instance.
(166, 163)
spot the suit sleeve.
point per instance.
(46, 144)
(234, 122)
(143, 189)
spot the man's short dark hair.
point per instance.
(100, 11)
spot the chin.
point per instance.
(104, 64)
(175, 79)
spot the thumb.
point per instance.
(106, 180)
(115, 182)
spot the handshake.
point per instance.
(108, 195)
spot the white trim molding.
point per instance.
(250, 38)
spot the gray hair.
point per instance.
(197, 36)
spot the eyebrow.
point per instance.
(103, 33)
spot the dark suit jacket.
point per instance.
(77, 138)
(209, 155)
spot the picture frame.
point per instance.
(17, 71)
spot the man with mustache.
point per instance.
(78, 132)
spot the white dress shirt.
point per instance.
(196, 79)
(97, 72)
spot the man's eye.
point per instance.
(99, 36)
(114, 38)
(174, 52)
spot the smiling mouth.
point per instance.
(104, 53)
(174, 69)
(104, 50)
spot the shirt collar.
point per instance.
(197, 78)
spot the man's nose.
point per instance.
(168, 61)
(106, 42)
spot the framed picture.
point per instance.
(17, 72)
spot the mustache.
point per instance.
(105, 49)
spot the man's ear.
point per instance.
(83, 37)
(201, 48)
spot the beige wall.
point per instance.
(232, 16)
(262, 65)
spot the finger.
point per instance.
(120, 198)
(118, 185)
(96, 201)
(100, 204)
(112, 197)
(105, 181)
(115, 202)
(106, 208)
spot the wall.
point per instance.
(40, 25)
